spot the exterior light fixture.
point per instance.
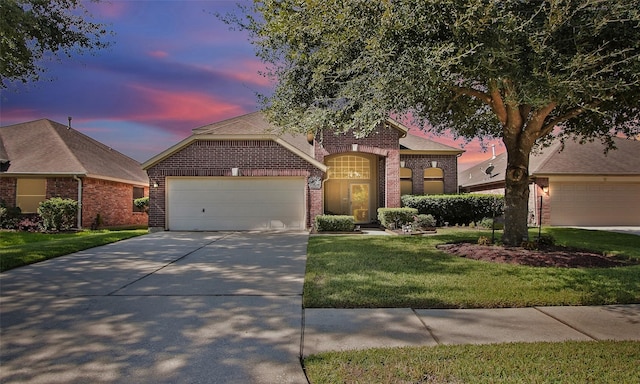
(354, 147)
(235, 171)
(545, 189)
(402, 164)
(155, 185)
(434, 164)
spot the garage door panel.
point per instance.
(595, 203)
(235, 203)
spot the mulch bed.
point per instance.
(552, 256)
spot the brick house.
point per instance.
(579, 185)
(44, 159)
(243, 174)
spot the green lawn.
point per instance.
(383, 271)
(403, 271)
(568, 362)
(22, 248)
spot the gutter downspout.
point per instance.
(79, 180)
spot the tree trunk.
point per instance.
(516, 194)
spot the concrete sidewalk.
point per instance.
(345, 329)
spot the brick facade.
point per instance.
(383, 142)
(112, 200)
(217, 158)
(210, 158)
(418, 164)
(8, 190)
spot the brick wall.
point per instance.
(8, 190)
(112, 200)
(382, 142)
(418, 163)
(216, 158)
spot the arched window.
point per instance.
(406, 181)
(433, 181)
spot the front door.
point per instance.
(349, 186)
(360, 202)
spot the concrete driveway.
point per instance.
(161, 308)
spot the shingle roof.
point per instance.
(44, 147)
(575, 159)
(255, 125)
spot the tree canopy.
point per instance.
(32, 29)
(524, 71)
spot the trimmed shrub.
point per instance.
(335, 223)
(456, 209)
(58, 214)
(396, 217)
(422, 222)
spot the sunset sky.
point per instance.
(173, 66)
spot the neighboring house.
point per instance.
(579, 186)
(241, 174)
(44, 159)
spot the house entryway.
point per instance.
(350, 188)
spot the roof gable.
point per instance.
(44, 147)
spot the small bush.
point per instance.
(396, 217)
(546, 240)
(141, 204)
(335, 223)
(58, 214)
(529, 245)
(488, 223)
(9, 216)
(483, 240)
(422, 222)
(29, 223)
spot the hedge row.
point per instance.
(456, 209)
(335, 223)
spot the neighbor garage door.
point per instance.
(595, 203)
(235, 203)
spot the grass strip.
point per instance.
(20, 248)
(566, 362)
(408, 271)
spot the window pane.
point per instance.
(433, 173)
(30, 193)
(349, 167)
(406, 187)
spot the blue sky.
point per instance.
(173, 66)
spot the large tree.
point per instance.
(523, 71)
(32, 29)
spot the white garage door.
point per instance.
(235, 203)
(595, 203)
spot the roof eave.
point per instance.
(431, 152)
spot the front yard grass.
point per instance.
(408, 271)
(22, 248)
(567, 362)
(384, 271)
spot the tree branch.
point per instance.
(568, 115)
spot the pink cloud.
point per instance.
(108, 9)
(158, 54)
(196, 107)
(250, 71)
